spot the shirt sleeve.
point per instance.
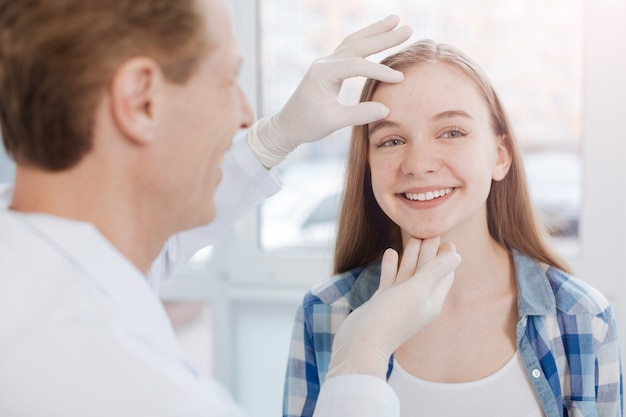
(609, 388)
(302, 383)
(245, 183)
(356, 395)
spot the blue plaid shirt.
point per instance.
(566, 335)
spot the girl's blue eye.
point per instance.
(390, 142)
(455, 133)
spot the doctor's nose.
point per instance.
(247, 115)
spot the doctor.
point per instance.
(118, 114)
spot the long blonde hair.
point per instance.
(365, 231)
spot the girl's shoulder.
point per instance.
(544, 288)
(574, 295)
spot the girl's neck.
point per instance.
(486, 269)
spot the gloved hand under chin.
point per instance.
(408, 298)
(313, 111)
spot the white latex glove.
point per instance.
(313, 111)
(408, 298)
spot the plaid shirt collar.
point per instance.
(535, 295)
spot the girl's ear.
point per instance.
(134, 98)
(503, 158)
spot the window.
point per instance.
(7, 167)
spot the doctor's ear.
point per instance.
(134, 90)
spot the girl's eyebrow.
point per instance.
(373, 127)
(452, 113)
(448, 114)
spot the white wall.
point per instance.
(603, 217)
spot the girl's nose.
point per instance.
(420, 159)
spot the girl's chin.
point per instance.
(421, 234)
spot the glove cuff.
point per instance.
(260, 139)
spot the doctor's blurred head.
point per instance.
(135, 99)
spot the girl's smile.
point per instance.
(427, 199)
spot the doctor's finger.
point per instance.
(437, 268)
(382, 26)
(430, 248)
(408, 263)
(374, 44)
(361, 114)
(439, 292)
(447, 247)
(388, 270)
(359, 67)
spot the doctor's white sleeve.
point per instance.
(245, 183)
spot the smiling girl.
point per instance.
(518, 335)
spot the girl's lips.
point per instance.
(428, 195)
(428, 199)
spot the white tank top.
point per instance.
(508, 392)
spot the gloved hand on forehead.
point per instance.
(313, 111)
(408, 298)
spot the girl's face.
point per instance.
(434, 157)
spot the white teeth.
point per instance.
(430, 195)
